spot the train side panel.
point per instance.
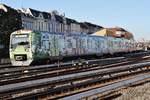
(54, 45)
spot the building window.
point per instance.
(49, 27)
(42, 28)
(27, 25)
(39, 26)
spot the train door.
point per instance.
(110, 45)
(78, 45)
(105, 45)
(102, 46)
(85, 50)
(51, 45)
(44, 45)
(81, 45)
(88, 44)
(61, 45)
(56, 45)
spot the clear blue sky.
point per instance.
(133, 15)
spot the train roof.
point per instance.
(72, 34)
(22, 31)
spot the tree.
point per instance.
(10, 22)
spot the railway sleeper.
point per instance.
(104, 81)
(84, 87)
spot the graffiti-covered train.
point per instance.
(27, 46)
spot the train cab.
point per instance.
(20, 48)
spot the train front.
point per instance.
(20, 48)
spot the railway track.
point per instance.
(64, 91)
(55, 84)
(57, 71)
(4, 66)
(15, 83)
(9, 69)
(110, 90)
(56, 67)
(82, 86)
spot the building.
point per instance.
(48, 21)
(14, 19)
(115, 32)
(91, 28)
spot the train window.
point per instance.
(18, 39)
(46, 45)
(69, 43)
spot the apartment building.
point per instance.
(48, 21)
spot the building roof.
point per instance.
(113, 33)
(25, 14)
(117, 29)
(92, 25)
(37, 13)
(74, 21)
(46, 15)
(83, 25)
(34, 12)
(6, 8)
(69, 21)
(3, 7)
(59, 18)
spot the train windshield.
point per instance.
(19, 39)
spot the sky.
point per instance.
(133, 15)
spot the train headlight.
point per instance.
(11, 50)
(27, 49)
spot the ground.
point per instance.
(136, 93)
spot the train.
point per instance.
(28, 46)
